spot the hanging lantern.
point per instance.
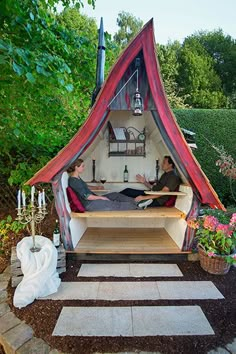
(137, 104)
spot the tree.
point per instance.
(198, 78)
(129, 27)
(39, 113)
(32, 41)
(222, 49)
(168, 59)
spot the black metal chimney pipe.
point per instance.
(100, 62)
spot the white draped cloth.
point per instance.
(39, 269)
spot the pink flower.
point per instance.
(211, 254)
(210, 222)
(233, 219)
(223, 228)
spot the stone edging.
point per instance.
(16, 337)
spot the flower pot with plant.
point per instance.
(216, 237)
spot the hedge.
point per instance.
(212, 127)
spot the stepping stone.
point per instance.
(129, 270)
(132, 321)
(185, 290)
(142, 290)
(128, 291)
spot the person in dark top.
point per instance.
(168, 182)
(91, 201)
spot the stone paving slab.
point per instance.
(75, 291)
(16, 337)
(186, 290)
(94, 321)
(132, 321)
(170, 320)
(142, 290)
(129, 270)
(34, 346)
(3, 296)
(3, 285)
(128, 291)
(219, 351)
(232, 346)
(4, 308)
(8, 321)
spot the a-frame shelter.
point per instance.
(162, 137)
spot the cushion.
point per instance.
(75, 204)
(171, 201)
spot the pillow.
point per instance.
(75, 204)
(171, 201)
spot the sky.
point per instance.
(173, 19)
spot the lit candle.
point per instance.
(39, 200)
(23, 199)
(19, 199)
(43, 197)
(32, 194)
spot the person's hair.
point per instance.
(77, 162)
(170, 161)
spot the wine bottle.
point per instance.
(56, 235)
(157, 169)
(126, 174)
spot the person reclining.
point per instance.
(91, 201)
(168, 182)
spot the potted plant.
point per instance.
(216, 238)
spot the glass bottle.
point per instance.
(157, 169)
(56, 235)
(126, 174)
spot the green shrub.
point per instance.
(212, 127)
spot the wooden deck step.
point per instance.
(161, 212)
(126, 241)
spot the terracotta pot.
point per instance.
(213, 265)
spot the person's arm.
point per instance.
(151, 196)
(143, 180)
(95, 187)
(96, 197)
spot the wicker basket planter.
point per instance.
(213, 265)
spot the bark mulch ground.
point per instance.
(42, 317)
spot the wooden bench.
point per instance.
(160, 212)
(171, 219)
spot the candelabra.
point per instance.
(32, 215)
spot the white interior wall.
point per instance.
(112, 167)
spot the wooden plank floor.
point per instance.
(126, 241)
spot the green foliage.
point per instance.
(197, 77)
(9, 228)
(212, 127)
(168, 59)
(216, 237)
(33, 43)
(129, 26)
(222, 48)
(39, 120)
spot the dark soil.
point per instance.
(42, 317)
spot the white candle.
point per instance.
(19, 199)
(23, 199)
(39, 200)
(32, 194)
(43, 197)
